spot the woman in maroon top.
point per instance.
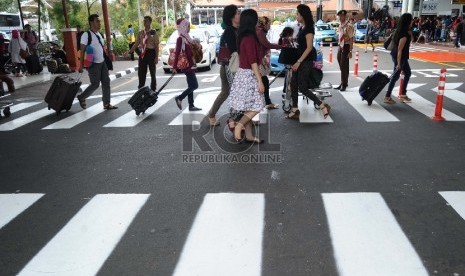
(247, 88)
(264, 24)
(184, 38)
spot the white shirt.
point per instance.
(98, 49)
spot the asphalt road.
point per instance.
(371, 191)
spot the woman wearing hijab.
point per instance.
(16, 44)
(264, 24)
(247, 88)
(185, 40)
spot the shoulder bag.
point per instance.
(183, 63)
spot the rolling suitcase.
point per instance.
(145, 98)
(33, 65)
(373, 85)
(61, 94)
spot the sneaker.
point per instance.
(193, 108)
(389, 100)
(178, 102)
(405, 99)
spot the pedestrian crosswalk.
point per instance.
(423, 102)
(227, 235)
(413, 48)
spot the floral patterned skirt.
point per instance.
(244, 94)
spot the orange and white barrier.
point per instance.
(440, 96)
(356, 64)
(375, 63)
(331, 53)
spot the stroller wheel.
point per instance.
(286, 108)
(7, 112)
(316, 106)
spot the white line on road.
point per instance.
(427, 108)
(130, 119)
(366, 238)
(85, 242)
(21, 106)
(84, 115)
(309, 114)
(204, 101)
(373, 113)
(24, 120)
(226, 237)
(456, 200)
(15, 204)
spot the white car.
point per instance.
(208, 48)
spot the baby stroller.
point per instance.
(289, 57)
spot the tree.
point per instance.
(8, 6)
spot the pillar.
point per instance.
(70, 41)
(410, 6)
(405, 4)
(340, 5)
(216, 17)
(200, 17)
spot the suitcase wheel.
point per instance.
(7, 112)
(137, 113)
(370, 102)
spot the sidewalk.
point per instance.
(120, 69)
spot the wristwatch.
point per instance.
(299, 61)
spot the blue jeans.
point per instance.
(405, 66)
(192, 84)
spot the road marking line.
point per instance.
(309, 114)
(130, 119)
(21, 106)
(427, 108)
(123, 84)
(83, 115)
(455, 95)
(15, 204)
(456, 200)
(24, 120)
(85, 242)
(366, 238)
(226, 237)
(373, 113)
(204, 101)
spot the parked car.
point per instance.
(324, 33)
(214, 35)
(208, 47)
(361, 31)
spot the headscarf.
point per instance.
(183, 27)
(15, 34)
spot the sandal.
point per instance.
(272, 106)
(294, 115)
(109, 106)
(328, 108)
(231, 125)
(82, 103)
(255, 140)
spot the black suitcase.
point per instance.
(145, 98)
(373, 85)
(61, 94)
(33, 65)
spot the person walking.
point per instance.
(98, 71)
(131, 38)
(369, 34)
(247, 89)
(231, 17)
(183, 44)
(16, 45)
(344, 53)
(149, 41)
(264, 25)
(400, 54)
(303, 68)
(460, 35)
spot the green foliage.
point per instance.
(120, 46)
(8, 6)
(167, 32)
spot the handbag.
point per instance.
(22, 53)
(183, 63)
(224, 55)
(108, 61)
(389, 43)
(264, 66)
(234, 63)
(288, 56)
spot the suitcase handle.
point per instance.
(165, 84)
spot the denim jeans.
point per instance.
(192, 84)
(405, 66)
